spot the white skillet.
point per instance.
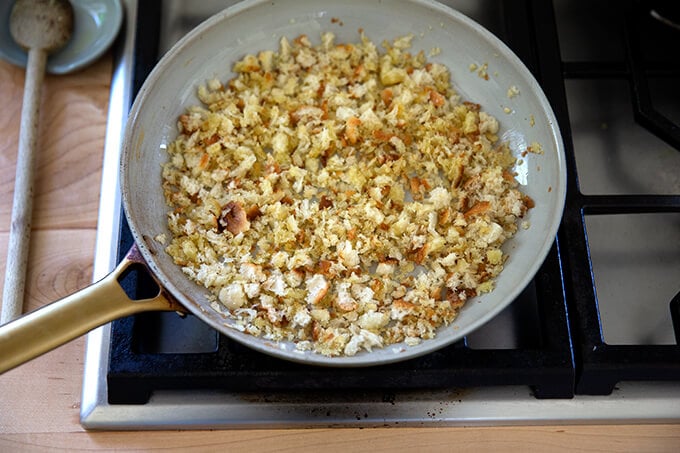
(248, 27)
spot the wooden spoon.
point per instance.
(41, 27)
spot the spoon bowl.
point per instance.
(96, 25)
(41, 24)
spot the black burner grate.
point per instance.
(548, 363)
(601, 366)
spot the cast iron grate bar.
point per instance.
(547, 366)
(599, 366)
(616, 69)
(675, 316)
(637, 12)
(630, 204)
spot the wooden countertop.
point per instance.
(40, 401)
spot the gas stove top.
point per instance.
(594, 337)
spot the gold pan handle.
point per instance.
(66, 319)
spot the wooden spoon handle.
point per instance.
(22, 205)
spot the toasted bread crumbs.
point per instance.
(535, 148)
(339, 197)
(483, 71)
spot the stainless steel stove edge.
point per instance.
(120, 97)
(498, 406)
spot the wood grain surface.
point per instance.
(40, 401)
